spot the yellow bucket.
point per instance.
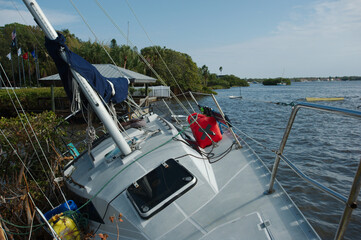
(65, 227)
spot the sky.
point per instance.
(247, 38)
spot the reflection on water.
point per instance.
(325, 146)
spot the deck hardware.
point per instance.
(264, 225)
(353, 205)
(165, 165)
(224, 118)
(135, 184)
(145, 208)
(187, 179)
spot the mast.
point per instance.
(86, 88)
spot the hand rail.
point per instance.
(351, 201)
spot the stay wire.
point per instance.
(28, 122)
(141, 56)
(31, 142)
(152, 69)
(170, 72)
(35, 136)
(27, 169)
(96, 38)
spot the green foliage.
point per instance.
(20, 141)
(131, 90)
(181, 66)
(28, 38)
(226, 81)
(142, 91)
(275, 81)
(176, 69)
(350, 78)
(30, 98)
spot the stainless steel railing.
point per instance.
(351, 200)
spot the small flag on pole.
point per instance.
(19, 51)
(9, 56)
(25, 56)
(13, 35)
(13, 38)
(33, 54)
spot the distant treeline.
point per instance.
(20, 67)
(275, 81)
(350, 78)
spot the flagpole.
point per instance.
(12, 68)
(29, 71)
(22, 63)
(17, 53)
(19, 71)
(37, 68)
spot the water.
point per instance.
(323, 145)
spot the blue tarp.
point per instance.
(88, 71)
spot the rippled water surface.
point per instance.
(325, 146)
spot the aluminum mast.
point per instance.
(86, 88)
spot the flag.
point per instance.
(19, 51)
(33, 54)
(13, 38)
(25, 56)
(13, 35)
(9, 56)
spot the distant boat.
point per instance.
(313, 99)
(235, 97)
(281, 84)
(240, 94)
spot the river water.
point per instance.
(324, 146)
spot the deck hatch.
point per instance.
(160, 187)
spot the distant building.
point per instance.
(108, 71)
(112, 71)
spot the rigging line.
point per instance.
(27, 169)
(130, 106)
(114, 117)
(142, 57)
(35, 136)
(248, 136)
(22, 122)
(147, 63)
(27, 133)
(32, 222)
(170, 72)
(131, 102)
(90, 29)
(97, 39)
(205, 94)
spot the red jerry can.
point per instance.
(204, 127)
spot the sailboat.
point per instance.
(162, 180)
(240, 94)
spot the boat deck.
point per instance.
(228, 200)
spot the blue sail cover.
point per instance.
(88, 71)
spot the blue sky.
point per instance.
(250, 39)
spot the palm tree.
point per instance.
(220, 69)
(205, 74)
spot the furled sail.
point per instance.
(111, 89)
